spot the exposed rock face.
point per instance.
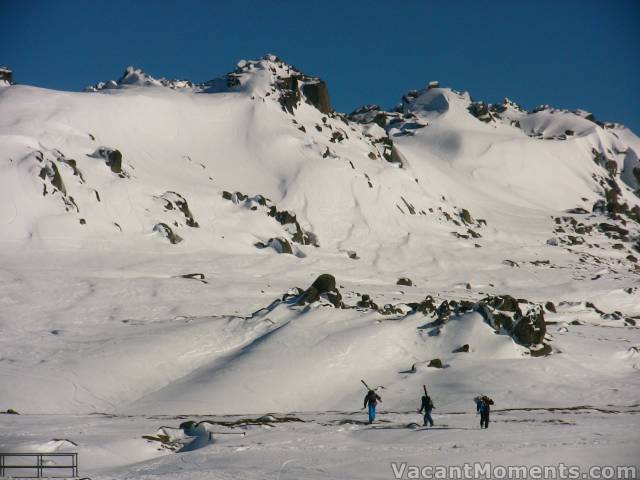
(463, 349)
(289, 93)
(317, 94)
(406, 281)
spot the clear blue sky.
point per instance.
(567, 53)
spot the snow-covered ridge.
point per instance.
(178, 228)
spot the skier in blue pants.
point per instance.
(483, 407)
(371, 400)
(427, 407)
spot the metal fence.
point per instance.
(45, 465)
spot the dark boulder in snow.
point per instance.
(406, 281)
(366, 302)
(435, 363)
(324, 283)
(463, 349)
(323, 286)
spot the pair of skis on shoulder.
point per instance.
(382, 387)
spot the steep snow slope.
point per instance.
(251, 185)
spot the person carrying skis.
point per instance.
(371, 399)
(427, 406)
(483, 407)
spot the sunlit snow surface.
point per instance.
(96, 318)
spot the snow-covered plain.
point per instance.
(111, 199)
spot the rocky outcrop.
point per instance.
(481, 111)
(112, 157)
(324, 286)
(435, 363)
(6, 76)
(166, 231)
(521, 319)
(285, 218)
(317, 94)
(175, 201)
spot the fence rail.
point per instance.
(40, 468)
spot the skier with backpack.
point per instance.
(427, 406)
(483, 407)
(371, 399)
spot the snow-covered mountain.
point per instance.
(161, 238)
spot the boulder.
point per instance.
(324, 283)
(280, 245)
(406, 281)
(366, 302)
(435, 363)
(463, 349)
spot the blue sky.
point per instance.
(571, 53)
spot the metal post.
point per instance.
(39, 469)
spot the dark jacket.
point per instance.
(484, 408)
(371, 398)
(427, 404)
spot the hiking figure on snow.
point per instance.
(371, 399)
(483, 407)
(427, 406)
